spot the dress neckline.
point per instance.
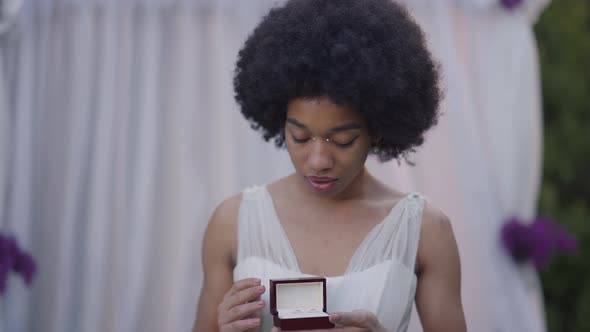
(397, 205)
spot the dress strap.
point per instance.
(395, 238)
(259, 232)
(415, 207)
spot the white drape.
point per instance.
(482, 163)
(119, 135)
(123, 138)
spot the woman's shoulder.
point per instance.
(220, 236)
(434, 220)
(436, 235)
(226, 212)
(224, 218)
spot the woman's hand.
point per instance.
(240, 306)
(354, 321)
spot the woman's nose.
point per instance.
(320, 157)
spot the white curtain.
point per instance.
(124, 135)
(482, 163)
(119, 135)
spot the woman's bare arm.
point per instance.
(219, 247)
(438, 297)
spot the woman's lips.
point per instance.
(321, 183)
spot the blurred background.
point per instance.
(563, 33)
(119, 135)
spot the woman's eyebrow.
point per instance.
(345, 127)
(349, 126)
(296, 123)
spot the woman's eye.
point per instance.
(300, 140)
(346, 144)
(342, 143)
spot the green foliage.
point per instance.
(563, 34)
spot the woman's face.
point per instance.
(328, 144)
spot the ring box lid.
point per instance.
(306, 294)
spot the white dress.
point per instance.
(380, 275)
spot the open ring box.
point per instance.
(299, 304)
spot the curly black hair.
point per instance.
(366, 54)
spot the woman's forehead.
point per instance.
(322, 113)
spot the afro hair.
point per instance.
(366, 54)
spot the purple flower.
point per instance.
(12, 258)
(26, 267)
(517, 240)
(563, 240)
(8, 250)
(537, 241)
(3, 277)
(510, 4)
(543, 235)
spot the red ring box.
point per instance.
(299, 304)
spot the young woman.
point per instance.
(335, 81)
